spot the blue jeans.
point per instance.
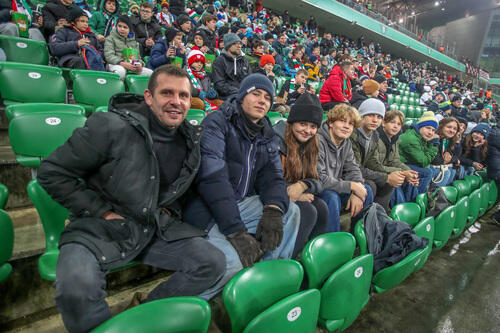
(447, 178)
(251, 212)
(336, 201)
(410, 192)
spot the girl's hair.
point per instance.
(390, 115)
(344, 111)
(468, 144)
(445, 121)
(299, 166)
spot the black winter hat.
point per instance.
(467, 102)
(170, 34)
(124, 19)
(75, 12)
(306, 108)
(380, 78)
(181, 19)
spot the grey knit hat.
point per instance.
(230, 39)
(372, 106)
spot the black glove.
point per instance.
(270, 229)
(246, 246)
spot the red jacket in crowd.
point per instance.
(337, 88)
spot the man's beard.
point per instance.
(235, 53)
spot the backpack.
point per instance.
(436, 202)
(92, 58)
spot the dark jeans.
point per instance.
(382, 194)
(75, 62)
(313, 222)
(81, 283)
(336, 201)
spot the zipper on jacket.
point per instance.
(234, 66)
(248, 169)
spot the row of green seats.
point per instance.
(24, 50)
(409, 111)
(398, 99)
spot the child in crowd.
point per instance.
(267, 63)
(165, 18)
(313, 68)
(298, 142)
(103, 21)
(338, 171)
(324, 69)
(475, 148)
(203, 95)
(167, 49)
(120, 39)
(293, 88)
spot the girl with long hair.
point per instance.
(298, 142)
(447, 156)
(475, 147)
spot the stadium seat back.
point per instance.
(27, 83)
(390, 98)
(137, 83)
(462, 187)
(475, 201)
(462, 212)
(195, 117)
(444, 224)
(53, 217)
(173, 315)
(409, 212)
(34, 136)
(451, 193)
(493, 194)
(410, 111)
(397, 99)
(485, 198)
(6, 244)
(394, 107)
(93, 89)
(474, 181)
(4, 195)
(425, 229)
(403, 108)
(16, 110)
(275, 117)
(422, 201)
(256, 289)
(24, 50)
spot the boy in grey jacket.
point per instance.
(338, 171)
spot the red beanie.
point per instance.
(265, 59)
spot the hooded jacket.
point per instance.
(413, 149)
(388, 152)
(314, 186)
(96, 171)
(337, 167)
(158, 55)
(64, 43)
(333, 89)
(98, 22)
(234, 167)
(228, 72)
(145, 30)
(114, 45)
(368, 161)
(52, 12)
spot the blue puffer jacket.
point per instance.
(64, 43)
(494, 153)
(232, 168)
(158, 55)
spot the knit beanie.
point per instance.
(482, 128)
(230, 39)
(124, 19)
(252, 82)
(195, 56)
(165, 4)
(170, 34)
(372, 106)
(312, 59)
(380, 78)
(181, 19)
(428, 119)
(370, 86)
(74, 13)
(306, 108)
(266, 59)
(132, 4)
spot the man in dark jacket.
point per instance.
(147, 30)
(68, 40)
(230, 68)
(125, 187)
(54, 15)
(243, 200)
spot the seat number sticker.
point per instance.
(101, 81)
(34, 75)
(428, 228)
(294, 314)
(21, 45)
(358, 272)
(193, 122)
(53, 121)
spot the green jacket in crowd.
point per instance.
(114, 45)
(101, 22)
(413, 149)
(369, 161)
(388, 153)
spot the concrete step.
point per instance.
(16, 177)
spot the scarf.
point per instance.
(110, 23)
(296, 64)
(292, 86)
(22, 7)
(346, 89)
(252, 129)
(82, 33)
(165, 18)
(195, 80)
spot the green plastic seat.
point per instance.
(267, 298)
(403, 108)
(280, 81)
(390, 98)
(195, 117)
(404, 100)
(421, 200)
(15, 110)
(137, 83)
(101, 109)
(493, 194)
(485, 198)
(4, 195)
(320, 85)
(425, 229)
(410, 111)
(314, 85)
(34, 136)
(451, 193)
(474, 181)
(397, 99)
(444, 224)
(394, 107)
(344, 282)
(389, 277)
(462, 187)
(408, 212)
(93, 89)
(413, 95)
(27, 83)
(6, 244)
(24, 50)
(53, 217)
(475, 201)
(275, 117)
(461, 218)
(483, 174)
(419, 111)
(173, 315)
